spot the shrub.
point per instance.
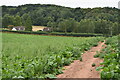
(93, 65)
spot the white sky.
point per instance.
(67, 3)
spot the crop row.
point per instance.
(111, 56)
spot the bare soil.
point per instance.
(84, 69)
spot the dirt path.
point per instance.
(84, 69)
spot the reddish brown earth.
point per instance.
(84, 69)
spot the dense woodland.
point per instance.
(63, 19)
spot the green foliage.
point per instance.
(7, 20)
(50, 76)
(28, 24)
(80, 58)
(34, 56)
(64, 25)
(105, 27)
(93, 65)
(17, 21)
(59, 18)
(86, 26)
(24, 18)
(99, 68)
(111, 70)
(96, 55)
(52, 25)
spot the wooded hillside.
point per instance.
(64, 19)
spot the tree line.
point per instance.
(63, 19)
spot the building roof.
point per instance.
(19, 27)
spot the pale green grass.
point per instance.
(34, 45)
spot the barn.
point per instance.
(18, 28)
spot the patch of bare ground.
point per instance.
(84, 69)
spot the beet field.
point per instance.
(35, 56)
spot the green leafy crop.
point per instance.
(111, 55)
(34, 56)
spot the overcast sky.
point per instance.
(67, 3)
